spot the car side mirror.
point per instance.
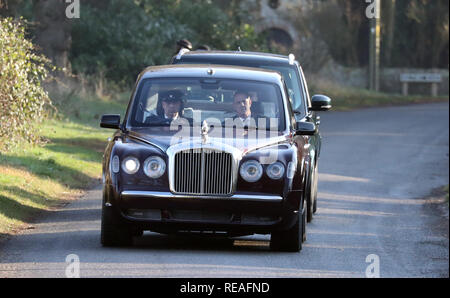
(305, 128)
(110, 121)
(320, 103)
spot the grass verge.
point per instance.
(36, 179)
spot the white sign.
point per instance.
(420, 78)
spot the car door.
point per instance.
(315, 140)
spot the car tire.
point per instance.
(113, 231)
(309, 193)
(291, 240)
(315, 206)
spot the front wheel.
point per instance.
(311, 195)
(291, 240)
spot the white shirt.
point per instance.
(247, 121)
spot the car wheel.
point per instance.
(113, 231)
(291, 240)
(315, 206)
(309, 193)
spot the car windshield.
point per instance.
(289, 72)
(221, 102)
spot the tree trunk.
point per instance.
(53, 31)
(390, 11)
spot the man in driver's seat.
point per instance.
(169, 108)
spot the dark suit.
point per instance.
(254, 120)
(159, 120)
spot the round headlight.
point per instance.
(251, 171)
(154, 167)
(130, 165)
(275, 171)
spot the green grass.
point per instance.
(36, 179)
(346, 98)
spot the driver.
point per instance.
(170, 108)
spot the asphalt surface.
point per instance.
(376, 167)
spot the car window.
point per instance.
(305, 87)
(219, 101)
(289, 72)
(290, 76)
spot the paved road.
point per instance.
(376, 166)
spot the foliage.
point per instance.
(415, 33)
(123, 37)
(37, 178)
(421, 37)
(22, 97)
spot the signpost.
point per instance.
(431, 78)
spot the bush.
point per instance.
(22, 98)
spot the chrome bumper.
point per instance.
(169, 195)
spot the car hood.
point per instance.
(242, 140)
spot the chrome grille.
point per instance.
(203, 171)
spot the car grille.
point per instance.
(203, 172)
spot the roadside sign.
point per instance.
(420, 78)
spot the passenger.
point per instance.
(242, 105)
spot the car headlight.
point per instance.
(130, 165)
(251, 171)
(275, 171)
(115, 165)
(154, 167)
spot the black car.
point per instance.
(304, 107)
(211, 150)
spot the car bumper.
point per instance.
(239, 213)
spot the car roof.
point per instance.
(224, 56)
(219, 71)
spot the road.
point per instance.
(377, 165)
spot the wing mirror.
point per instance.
(305, 128)
(110, 121)
(320, 103)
